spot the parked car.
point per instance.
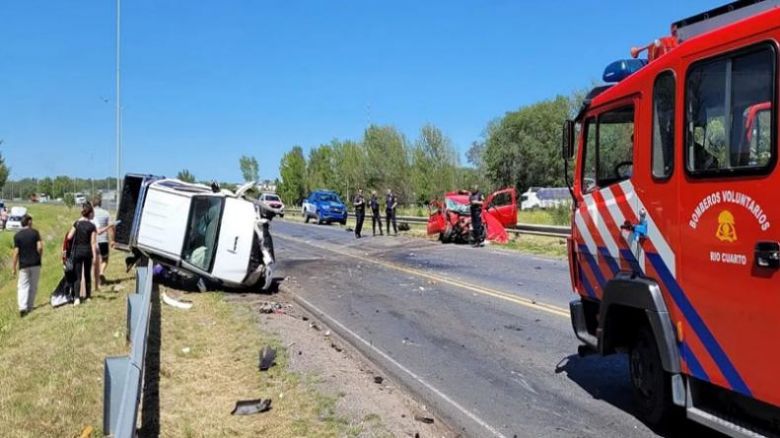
(14, 222)
(324, 207)
(451, 219)
(216, 234)
(79, 198)
(272, 203)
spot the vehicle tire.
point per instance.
(305, 217)
(317, 219)
(344, 222)
(652, 385)
(281, 215)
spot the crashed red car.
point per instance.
(451, 219)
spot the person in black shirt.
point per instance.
(83, 251)
(360, 212)
(28, 250)
(476, 200)
(390, 204)
(376, 218)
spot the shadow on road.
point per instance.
(607, 378)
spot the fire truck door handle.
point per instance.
(768, 254)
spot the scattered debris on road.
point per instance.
(335, 346)
(273, 307)
(267, 358)
(423, 419)
(378, 380)
(250, 407)
(314, 326)
(179, 304)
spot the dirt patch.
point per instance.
(373, 404)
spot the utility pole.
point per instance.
(118, 103)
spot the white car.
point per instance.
(15, 216)
(79, 198)
(214, 234)
(272, 203)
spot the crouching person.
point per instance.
(28, 250)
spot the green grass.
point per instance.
(51, 362)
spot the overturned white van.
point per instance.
(215, 234)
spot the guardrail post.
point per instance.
(114, 374)
(123, 376)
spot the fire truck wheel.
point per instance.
(652, 385)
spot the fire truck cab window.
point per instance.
(729, 113)
(663, 125)
(589, 169)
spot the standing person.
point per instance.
(28, 250)
(105, 236)
(376, 218)
(390, 204)
(84, 252)
(476, 200)
(360, 212)
(3, 217)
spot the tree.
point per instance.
(186, 176)
(45, 186)
(292, 169)
(434, 163)
(4, 170)
(387, 160)
(320, 172)
(249, 168)
(523, 148)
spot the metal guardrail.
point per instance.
(532, 229)
(123, 375)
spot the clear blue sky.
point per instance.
(207, 81)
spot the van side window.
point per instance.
(589, 169)
(729, 113)
(663, 125)
(615, 146)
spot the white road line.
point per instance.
(409, 372)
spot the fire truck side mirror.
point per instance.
(567, 143)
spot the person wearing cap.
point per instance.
(360, 212)
(476, 199)
(28, 249)
(390, 204)
(376, 218)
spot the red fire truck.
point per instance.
(675, 243)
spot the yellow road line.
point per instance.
(533, 304)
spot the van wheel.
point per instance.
(317, 219)
(652, 385)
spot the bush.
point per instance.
(69, 200)
(561, 214)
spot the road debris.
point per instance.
(314, 326)
(335, 346)
(423, 419)
(327, 332)
(378, 380)
(250, 407)
(267, 358)
(179, 304)
(87, 432)
(272, 307)
(186, 350)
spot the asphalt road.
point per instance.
(482, 334)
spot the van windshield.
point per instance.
(200, 243)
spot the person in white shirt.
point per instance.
(105, 238)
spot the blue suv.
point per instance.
(324, 206)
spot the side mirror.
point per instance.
(567, 140)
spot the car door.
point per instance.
(437, 221)
(727, 284)
(502, 205)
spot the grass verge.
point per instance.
(51, 362)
